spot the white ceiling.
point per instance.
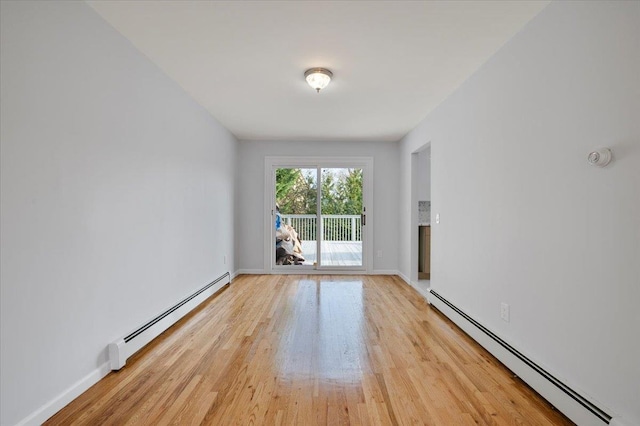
(393, 62)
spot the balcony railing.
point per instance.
(334, 227)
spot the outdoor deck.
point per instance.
(334, 253)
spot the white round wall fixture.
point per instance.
(600, 157)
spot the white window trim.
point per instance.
(366, 163)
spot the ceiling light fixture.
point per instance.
(318, 78)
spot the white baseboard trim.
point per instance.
(250, 272)
(520, 365)
(618, 421)
(423, 292)
(43, 413)
(385, 272)
(405, 278)
(313, 271)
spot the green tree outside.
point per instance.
(296, 193)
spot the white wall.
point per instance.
(524, 219)
(250, 207)
(117, 197)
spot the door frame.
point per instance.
(413, 235)
(271, 163)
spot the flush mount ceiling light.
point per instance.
(318, 78)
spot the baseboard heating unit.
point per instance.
(123, 348)
(567, 400)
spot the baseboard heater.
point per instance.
(123, 348)
(548, 376)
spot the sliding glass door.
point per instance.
(295, 216)
(317, 217)
(341, 217)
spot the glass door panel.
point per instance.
(296, 216)
(341, 213)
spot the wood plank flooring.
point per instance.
(312, 350)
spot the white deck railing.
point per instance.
(334, 227)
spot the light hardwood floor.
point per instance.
(312, 350)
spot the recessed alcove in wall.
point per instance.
(420, 192)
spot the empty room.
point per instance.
(320, 212)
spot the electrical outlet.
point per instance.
(379, 254)
(504, 311)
